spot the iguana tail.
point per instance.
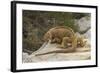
(58, 51)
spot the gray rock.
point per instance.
(83, 23)
(26, 58)
(88, 35)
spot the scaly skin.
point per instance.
(64, 36)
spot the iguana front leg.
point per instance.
(66, 42)
(74, 41)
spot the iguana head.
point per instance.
(81, 42)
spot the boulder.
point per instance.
(83, 23)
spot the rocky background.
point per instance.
(37, 23)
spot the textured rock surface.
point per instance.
(88, 34)
(80, 54)
(83, 23)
